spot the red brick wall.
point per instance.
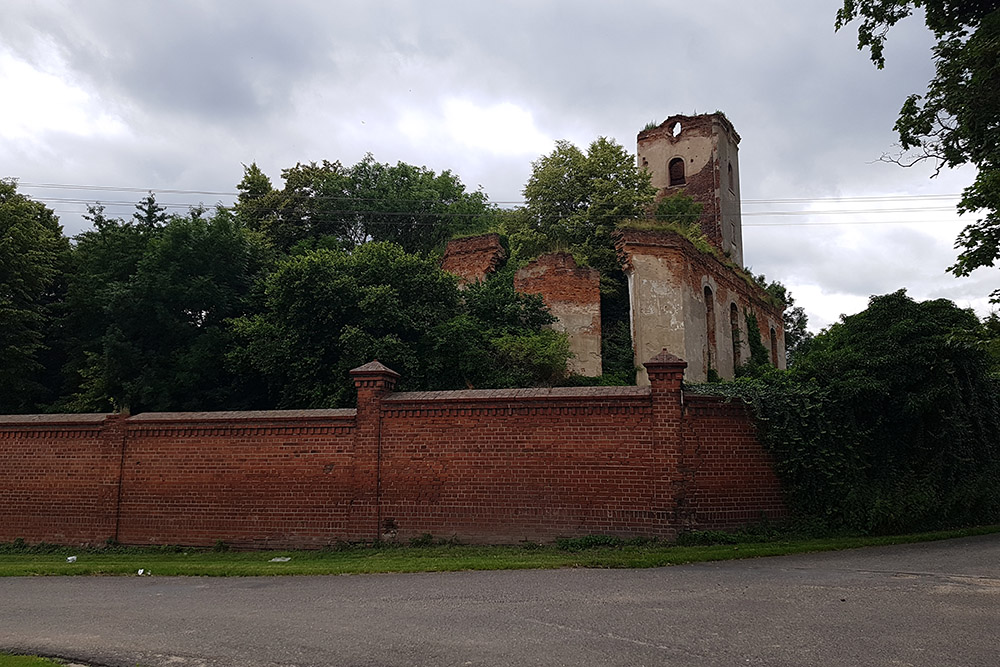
(482, 466)
(474, 257)
(59, 477)
(732, 479)
(512, 465)
(261, 479)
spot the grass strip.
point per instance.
(24, 560)
(7, 660)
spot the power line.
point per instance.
(744, 202)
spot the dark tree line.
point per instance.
(264, 305)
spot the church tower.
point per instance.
(698, 155)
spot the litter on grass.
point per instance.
(280, 559)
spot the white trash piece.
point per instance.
(280, 559)
(144, 572)
(70, 559)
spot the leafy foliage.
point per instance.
(955, 121)
(328, 311)
(574, 202)
(889, 420)
(411, 206)
(797, 335)
(34, 257)
(159, 339)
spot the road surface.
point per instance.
(930, 604)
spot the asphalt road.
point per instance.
(931, 604)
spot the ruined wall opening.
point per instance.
(676, 170)
(734, 329)
(774, 348)
(710, 329)
(732, 182)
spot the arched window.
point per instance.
(734, 328)
(774, 348)
(710, 329)
(677, 171)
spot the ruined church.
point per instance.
(690, 302)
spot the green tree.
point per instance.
(889, 420)
(258, 201)
(149, 305)
(574, 201)
(955, 121)
(328, 311)
(148, 214)
(105, 260)
(33, 260)
(166, 344)
(413, 207)
(797, 335)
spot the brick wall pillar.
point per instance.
(113, 445)
(666, 376)
(372, 381)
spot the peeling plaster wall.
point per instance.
(656, 304)
(572, 294)
(667, 279)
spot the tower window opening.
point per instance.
(732, 186)
(676, 169)
(774, 348)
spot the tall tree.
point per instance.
(328, 311)
(957, 120)
(149, 306)
(33, 261)
(573, 201)
(166, 344)
(105, 261)
(797, 335)
(411, 206)
(148, 214)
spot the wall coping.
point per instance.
(530, 394)
(83, 419)
(243, 415)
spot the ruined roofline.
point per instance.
(665, 238)
(688, 121)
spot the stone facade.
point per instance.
(573, 295)
(699, 155)
(690, 302)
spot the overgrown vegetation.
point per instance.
(889, 421)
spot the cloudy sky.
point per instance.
(109, 99)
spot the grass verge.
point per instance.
(7, 660)
(595, 551)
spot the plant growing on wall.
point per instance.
(890, 420)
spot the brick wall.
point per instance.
(573, 295)
(59, 477)
(474, 257)
(481, 466)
